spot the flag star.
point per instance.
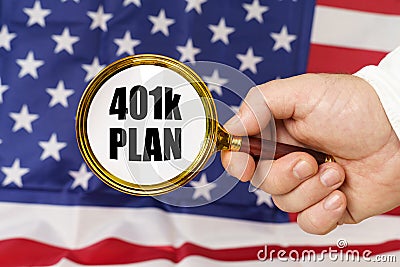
(135, 2)
(214, 82)
(283, 39)
(65, 42)
(194, 4)
(126, 44)
(99, 19)
(188, 52)
(81, 177)
(3, 88)
(202, 188)
(36, 14)
(161, 23)
(92, 69)
(263, 197)
(14, 174)
(255, 11)
(6, 37)
(23, 119)
(59, 95)
(221, 31)
(29, 65)
(249, 61)
(51, 148)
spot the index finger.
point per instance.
(253, 116)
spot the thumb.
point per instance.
(276, 97)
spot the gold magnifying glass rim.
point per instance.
(207, 148)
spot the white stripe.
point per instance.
(78, 227)
(355, 29)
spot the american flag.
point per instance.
(56, 212)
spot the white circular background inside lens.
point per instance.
(193, 125)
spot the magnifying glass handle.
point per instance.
(263, 149)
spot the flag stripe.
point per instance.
(151, 227)
(355, 29)
(198, 261)
(123, 252)
(333, 59)
(394, 212)
(381, 6)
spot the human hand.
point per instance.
(340, 115)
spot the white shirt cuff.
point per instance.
(385, 79)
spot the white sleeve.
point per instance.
(385, 79)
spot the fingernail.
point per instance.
(330, 177)
(303, 169)
(332, 202)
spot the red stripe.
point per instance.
(333, 59)
(395, 212)
(24, 252)
(391, 7)
(292, 217)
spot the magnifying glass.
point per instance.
(147, 125)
